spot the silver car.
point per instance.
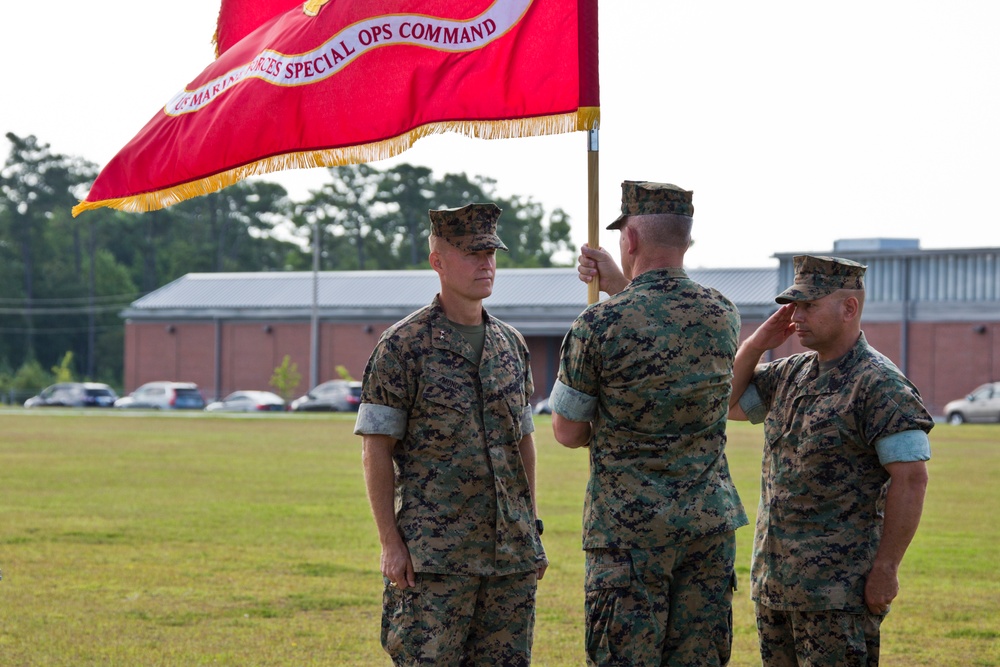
(332, 396)
(982, 405)
(248, 401)
(164, 396)
(74, 394)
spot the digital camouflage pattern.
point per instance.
(665, 606)
(463, 504)
(816, 277)
(818, 638)
(470, 228)
(646, 198)
(463, 621)
(659, 357)
(823, 488)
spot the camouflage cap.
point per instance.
(470, 228)
(645, 198)
(816, 277)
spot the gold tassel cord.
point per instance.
(586, 118)
(312, 7)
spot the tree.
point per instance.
(63, 281)
(35, 185)
(234, 229)
(286, 379)
(64, 371)
(382, 215)
(457, 190)
(354, 238)
(531, 237)
(407, 193)
(30, 378)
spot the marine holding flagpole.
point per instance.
(644, 383)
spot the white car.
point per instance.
(164, 396)
(331, 396)
(982, 405)
(248, 401)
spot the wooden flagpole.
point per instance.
(593, 234)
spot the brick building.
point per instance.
(935, 313)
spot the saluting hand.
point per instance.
(775, 330)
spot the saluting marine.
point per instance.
(843, 473)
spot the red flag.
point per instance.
(239, 18)
(360, 81)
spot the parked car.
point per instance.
(334, 395)
(74, 395)
(542, 407)
(982, 405)
(164, 396)
(248, 401)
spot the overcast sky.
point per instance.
(795, 123)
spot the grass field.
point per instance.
(143, 540)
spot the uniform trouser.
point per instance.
(830, 638)
(460, 621)
(666, 606)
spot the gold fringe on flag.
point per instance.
(585, 118)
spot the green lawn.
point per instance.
(141, 540)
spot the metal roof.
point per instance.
(515, 288)
(907, 284)
(745, 287)
(291, 290)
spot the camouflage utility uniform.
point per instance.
(828, 433)
(651, 369)
(462, 497)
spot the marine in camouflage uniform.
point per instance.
(838, 425)
(447, 400)
(644, 381)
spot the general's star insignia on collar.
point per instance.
(442, 334)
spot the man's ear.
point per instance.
(851, 308)
(631, 240)
(435, 260)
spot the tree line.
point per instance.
(63, 281)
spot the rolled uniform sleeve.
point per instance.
(385, 401)
(572, 404)
(905, 447)
(758, 397)
(574, 395)
(753, 405)
(376, 419)
(527, 421)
